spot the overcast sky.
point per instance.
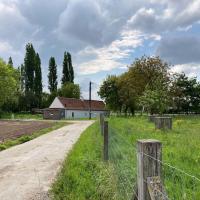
(103, 36)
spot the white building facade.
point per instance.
(76, 108)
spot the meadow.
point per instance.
(85, 175)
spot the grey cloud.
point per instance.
(43, 12)
(179, 50)
(165, 16)
(146, 21)
(84, 21)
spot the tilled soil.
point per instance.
(14, 129)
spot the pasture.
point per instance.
(86, 176)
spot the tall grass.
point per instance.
(85, 176)
(181, 150)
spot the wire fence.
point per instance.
(174, 183)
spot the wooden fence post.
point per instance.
(148, 154)
(102, 122)
(105, 146)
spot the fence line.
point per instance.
(113, 147)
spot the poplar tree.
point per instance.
(38, 80)
(66, 72)
(29, 67)
(10, 62)
(71, 70)
(52, 76)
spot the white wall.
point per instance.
(56, 104)
(78, 114)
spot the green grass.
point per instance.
(20, 116)
(85, 176)
(25, 138)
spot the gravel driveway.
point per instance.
(27, 170)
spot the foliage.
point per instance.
(10, 62)
(109, 91)
(70, 90)
(52, 76)
(126, 91)
(156, 100)
(29, 68)
(68, 72)
(185, 94)
(9, 83)
(38, 81)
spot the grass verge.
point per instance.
(84, 175)
(20, 116)
(25, 138)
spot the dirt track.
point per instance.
(27, 170)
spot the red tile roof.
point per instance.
(79, 104)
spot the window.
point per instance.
(72, 114)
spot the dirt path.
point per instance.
(27, 170)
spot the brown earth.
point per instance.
(14, 129)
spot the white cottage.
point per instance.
(70, 108)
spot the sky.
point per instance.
(103, 36)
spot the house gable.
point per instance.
(56, 104)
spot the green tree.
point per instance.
(71, 70)
(185, 93)
(29, 67)
(127, 94)
(109, 91)
(9, 83)
(70, 90)
(52, 76)
(22, 78)
(38, 80)
(10, 62)
(157, 100)
(68, 71)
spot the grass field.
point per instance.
(85, 176)
(20, 116)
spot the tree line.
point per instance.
(150, 86)
(22, 88)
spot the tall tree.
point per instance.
(29, 67)
(38, 80)
(71, 70)
(52, 76)
(10, 62)
(66, 73)
(22, 78)
(109, 91)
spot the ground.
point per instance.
(10, 129)
(27, 170)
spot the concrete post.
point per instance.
(163, 122)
